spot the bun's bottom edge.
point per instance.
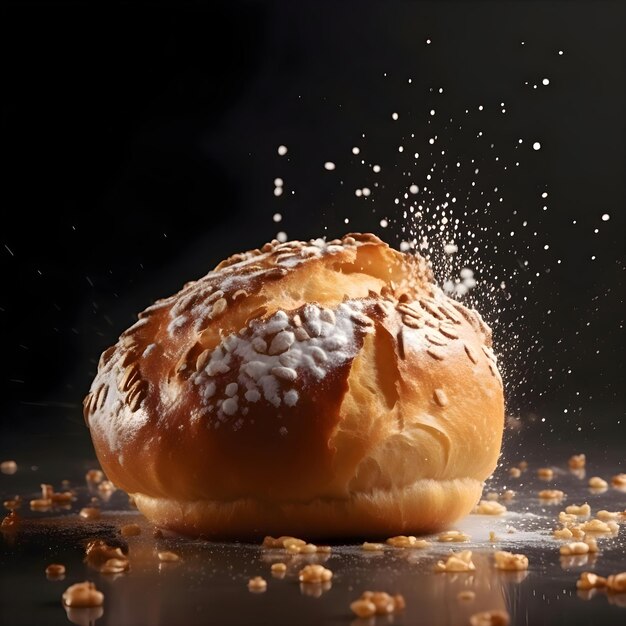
(423, 507)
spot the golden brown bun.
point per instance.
(318, 388)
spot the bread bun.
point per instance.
(320, 389)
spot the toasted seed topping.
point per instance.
(448, 331)
(413, 322)
(440, 397)
(470, 353)
(435, 353)
(219, 306)
(436, 339)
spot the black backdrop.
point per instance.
(140, 144)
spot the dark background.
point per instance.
(140, 148)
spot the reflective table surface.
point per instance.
(209, 584)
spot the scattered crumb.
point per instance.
(619, 480)
(39, 504)
(598, 526)
(486, 507)
(562, 533)
(459, 562)
(83, 595)
(588, 580)
(8, 467)
(617, 583)
(89, 512)
(595, 482)
(577, 461)
(452, 536)
(115, 566)
(55, 570)
(582, 510)
(545, 473)
(577, 547)
(314, 574)
(258, 584)
(490, 618)
(403, 541)
(130, 530)
(466, 596)
(510, 561)
(377, 603)
(551, 494)
(363, 608)
(94, 476)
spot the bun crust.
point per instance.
(319, 388)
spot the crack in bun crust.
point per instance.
(320, 388)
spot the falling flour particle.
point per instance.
(450, 248)
(606, 217)
(278, 191)
(329, 165)
(277, 217)
(536, 146)
(376, 169)
(366, 191)
(394, 116)
(355, 150)
(384, 223)
(278, 182)
(282, 150)
(281, 236)
(413, 189)
(545, 81)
